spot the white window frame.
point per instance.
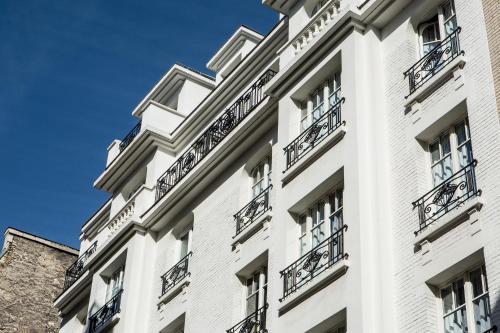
(455, 148)
(257, 282)
(261, 175)
(114, 283)
(319, 217)
(315, 107)
(441, 23)
(469, 298)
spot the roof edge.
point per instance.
(58, 246)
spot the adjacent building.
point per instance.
(32, 275)
(339, 174)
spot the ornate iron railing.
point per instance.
(313, 263)
(253, 210)
(76, 269)
(448, 195)
(130, 136)
(434, 61)
(254, 323)
(213, 135)
(491, 330)
(106, 313)
(175, 274)
(314, 134)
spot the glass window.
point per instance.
(115, 283)
(464, 146)
(442, 167)
(467, 292)
(449, 17)
(261, 180)
(430, 35)
(334, 89)
(254, 289)
(184, 245)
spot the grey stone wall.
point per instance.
(31, 277)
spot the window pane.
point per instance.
(456, 322)
(461, 131)
(448, 10)
(434, 150)
(321, 211)
(442, 170)
(445, 144)
(458, 290)
(251, 304)
(482, 313)
(465, 154)
(318, 234)
(303, 245)
(447, 298)
(477, 283)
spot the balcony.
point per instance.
(216, 132)
(130, 136)
(76, 269)
(254, 323)
(450, 194)
(434, 61)
(313, 135)
(252, 211)
(175, 275)
(315, 262)
(105, 315)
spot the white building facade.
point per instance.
(339, 174)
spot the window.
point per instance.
(256, 293)
(315, 106)
(115, 283)
(323, 219)
(467, 294)
(450, 152)
(439, 27)
(261, 176)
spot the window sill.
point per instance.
(106, 327)
(169, 295)
(447, 221)
(252, 228)
(313, 286)
(314, 154)
(430, 86)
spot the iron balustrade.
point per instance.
(448, 195)
(106, 313)
(253, 210)
(437, 58)
(175, 274)
(254, 323)
(216, 132)
(493, 329)
(314, 134)
(130, 137)
(313, 263)
(76, 269)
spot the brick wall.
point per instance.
(491, 10)
(31, 277)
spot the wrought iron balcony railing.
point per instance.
(434, 61)
(491, 330)
(130, 137)
(233, 116)
(313, 135)
(76, 269)
(106, 313)
(175, 274)
(448, 195)
(254, 323)
(253, 210)
(310, 265)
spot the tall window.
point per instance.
(256, 291)
(450, 152)
(439, 27)
(320, 101)
(468, 294)
(322, 219)
(115, 283)
(184, 244)
(261, 176)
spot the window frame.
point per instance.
(264, 179)
(441, 24)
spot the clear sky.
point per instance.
(71, 73)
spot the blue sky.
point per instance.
(71, 73)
